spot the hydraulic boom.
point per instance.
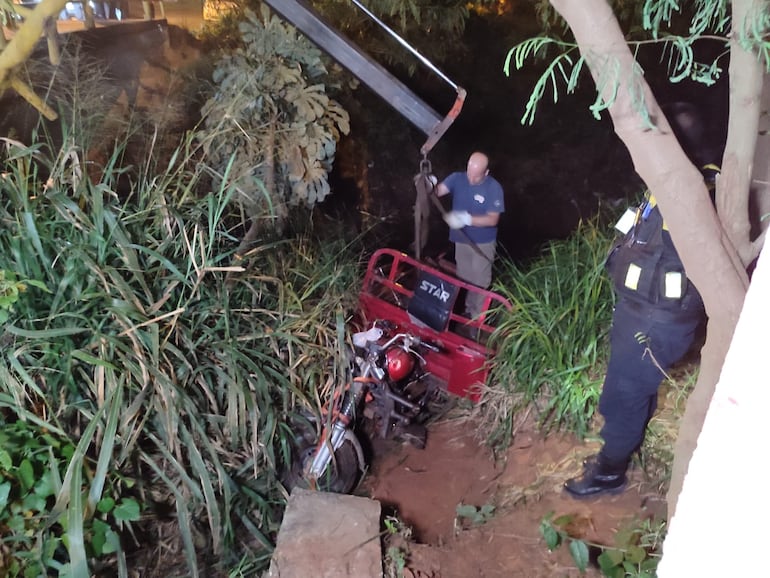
(371, 73)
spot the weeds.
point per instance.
(168, 364)
(396, 540)
(551, 350)
(271, 130)
(467, 514)
(11, 289)
(657, 452)
(636, 552)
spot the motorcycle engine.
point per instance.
(398, 363)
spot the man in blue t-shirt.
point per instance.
(477, 201)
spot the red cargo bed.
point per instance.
(429, 303)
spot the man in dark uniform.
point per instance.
(656, 321)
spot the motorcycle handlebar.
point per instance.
(369, 339)
(409, 340)
(431, 346)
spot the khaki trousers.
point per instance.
(475, 269)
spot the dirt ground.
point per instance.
(423, 489)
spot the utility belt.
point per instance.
(688, 312)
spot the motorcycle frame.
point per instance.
(341, 428)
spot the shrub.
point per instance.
(161, 355)
(551, 346)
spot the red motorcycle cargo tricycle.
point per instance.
(412, 351)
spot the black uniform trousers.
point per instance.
(644, 342)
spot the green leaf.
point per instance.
(465, 511)
(38, 284)
(551, 536)
(34, 503)
(6, 462)
(75, 538)
(98, 538)
(579, 552)
(636, 554)
(610, 558)
(104, 540)
(105, 451)
(9, 296)
(487, 510)
(16, 521)
(127, 511)
(26, 475)
(88, 358)
(51, 441)
(105, 505)
(44, 333)
(113, 542)
(5, 490)
(564, 520)
(45, 486)
(625, 537)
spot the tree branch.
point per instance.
(18, 50)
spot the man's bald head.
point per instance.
(478, 168)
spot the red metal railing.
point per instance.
(389, 286)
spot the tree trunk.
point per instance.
(746, 75)
(732, 197)
(759, 202)
(709, 258)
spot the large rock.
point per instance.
(326, 535)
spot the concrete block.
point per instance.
(325, 535)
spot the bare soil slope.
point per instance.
(424, 488)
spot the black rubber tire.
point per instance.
(340, 477)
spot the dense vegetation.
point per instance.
(149, 371)
(552, 347)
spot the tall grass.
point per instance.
(551, 346)
(170, 362)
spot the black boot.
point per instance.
(600, 476)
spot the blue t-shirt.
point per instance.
(486, 197)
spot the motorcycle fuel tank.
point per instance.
(399, 363)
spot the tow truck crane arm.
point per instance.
(371, 73)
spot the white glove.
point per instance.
(433, 180)
(457, 219)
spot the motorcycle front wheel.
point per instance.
(342, 474)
